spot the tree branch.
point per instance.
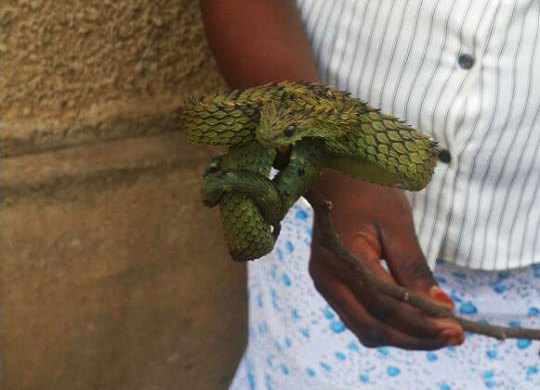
(367, 279)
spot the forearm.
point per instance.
(258, 41)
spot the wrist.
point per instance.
(334, 185)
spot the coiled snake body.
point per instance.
(323, 127)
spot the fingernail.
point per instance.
(439, 295)
(453, 337)
(456, 341)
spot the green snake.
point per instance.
(321, 127)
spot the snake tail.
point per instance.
(253, 185)
(247, 233)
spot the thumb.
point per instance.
(409, 267)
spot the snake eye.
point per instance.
(289, 131)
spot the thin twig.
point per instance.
(366, 278)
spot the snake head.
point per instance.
(281, 124)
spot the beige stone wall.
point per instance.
(112, 274)
(84, 70)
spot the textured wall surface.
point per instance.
(70, 68)
(112, 274)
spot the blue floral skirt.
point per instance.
(297, 342)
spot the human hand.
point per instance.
(376, 223)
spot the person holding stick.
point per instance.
(468, 74)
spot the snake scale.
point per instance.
(321, 127)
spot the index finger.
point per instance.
(371, 331)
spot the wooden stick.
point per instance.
(366, 278)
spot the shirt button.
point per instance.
(445, 156)
(466, 61)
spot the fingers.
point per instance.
(409, 268)
(403, 254)
(371, 331)
(407, 262)
(387, 309)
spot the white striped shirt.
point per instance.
(467, 72)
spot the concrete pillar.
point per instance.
(112, 273)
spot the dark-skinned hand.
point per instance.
(376, 223)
